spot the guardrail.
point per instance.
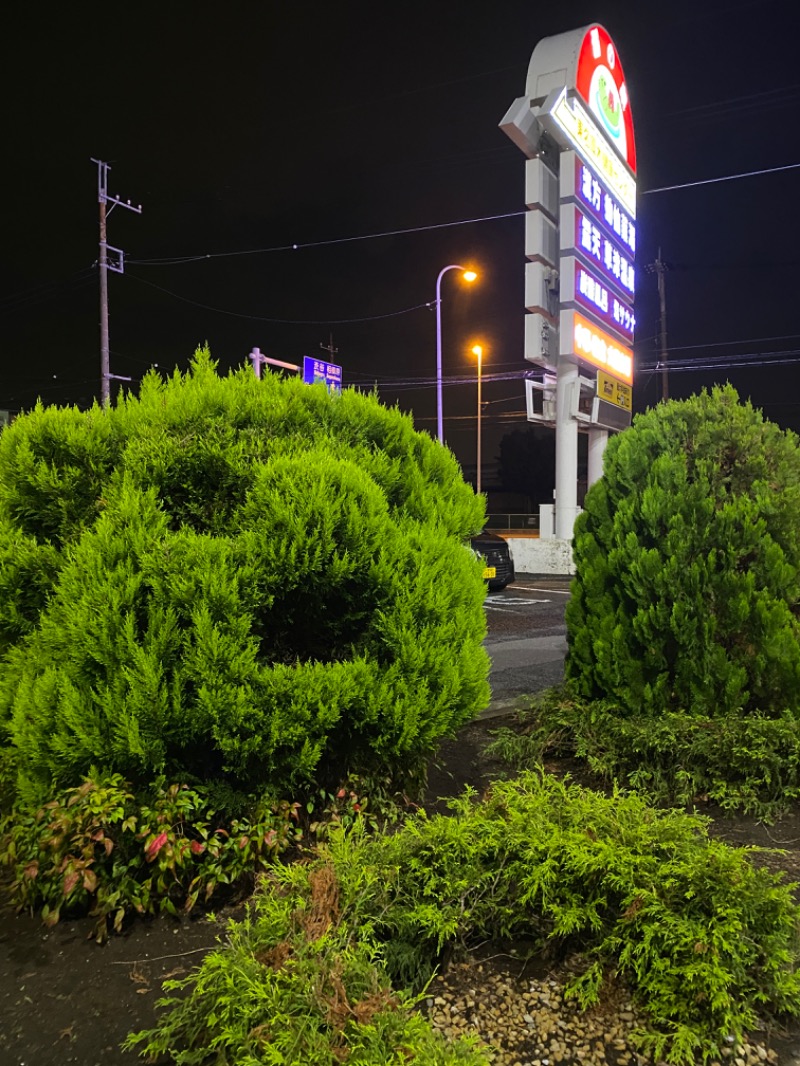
(517, 523)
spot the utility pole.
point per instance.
(329, 348)
(660, 268)
(116, 262)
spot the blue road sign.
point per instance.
(316, 370)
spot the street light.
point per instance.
(468, 275)
(477, 350)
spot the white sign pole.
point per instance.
(598, 439)
(566, 451)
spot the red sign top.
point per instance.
(601, 83)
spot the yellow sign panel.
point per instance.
(614, 391)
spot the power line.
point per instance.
(36, 294)
(180, 260)
(177, 260)
(281, 321)
(727, 177)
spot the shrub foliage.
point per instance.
(223, 577)
(100, 849)
(707, 941)
(684, 610)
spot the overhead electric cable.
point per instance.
(727, 177)
(282, 321)
(172, 261)
(179, 260)
(723, 344)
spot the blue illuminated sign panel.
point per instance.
(604, 303)
(579, 232)
(316, 370)
(580, 286)
(590, 193)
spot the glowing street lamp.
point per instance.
(468, 275)
(477, 350)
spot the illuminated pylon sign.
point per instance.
(575, 126)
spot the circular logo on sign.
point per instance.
(601, 83)
(604, 100)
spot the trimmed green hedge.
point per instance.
(231, 578)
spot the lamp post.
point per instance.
(468, 275)
(478, 351)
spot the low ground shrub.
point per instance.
(707, 940)
(749, 763)
(299, 981)
(100, 850)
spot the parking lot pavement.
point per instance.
(526, 638)
(530, 604)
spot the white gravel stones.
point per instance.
(527, 1022)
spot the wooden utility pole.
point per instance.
(329, 348)
(660, 268)
(116, 262)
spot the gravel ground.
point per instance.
(529, 1022)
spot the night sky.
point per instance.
(246, 129)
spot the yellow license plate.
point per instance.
(489, 571)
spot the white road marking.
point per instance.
(508, 594)
(510, 604)
(555, 592)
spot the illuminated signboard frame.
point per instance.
(570, 122)
(580, 234)
(588, 343)
(577, 96)
(579, 182)
(579, 285)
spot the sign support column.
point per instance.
(566, 451)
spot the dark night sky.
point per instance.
(244, 128)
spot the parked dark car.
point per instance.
(497, 559)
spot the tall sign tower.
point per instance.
(574, 124)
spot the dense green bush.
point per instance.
(227, 578)
(686, 599)
(707, 941)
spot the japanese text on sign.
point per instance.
(594, 244)
(600, 349)
(614, 391)
(582, 132)
(596, 297)
(317, 370)
(605, 207)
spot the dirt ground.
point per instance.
(65, 1000)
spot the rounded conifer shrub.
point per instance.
(684, 609)
(226, 578)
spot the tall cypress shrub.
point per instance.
(687, 594)
(230, 578)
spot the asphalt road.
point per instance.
(526, 639)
